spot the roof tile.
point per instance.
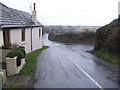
(9, 16)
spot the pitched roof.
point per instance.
(15, 18)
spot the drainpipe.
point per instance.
(31, 41)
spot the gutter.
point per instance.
(19, 26)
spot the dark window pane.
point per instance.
(23, 34)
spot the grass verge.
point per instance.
(30, 61)
(107, 56)
(28, 70)
(15, 86)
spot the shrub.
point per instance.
(18, 53)
(14, 53)
(21, 48)
(4, 47)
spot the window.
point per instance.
(23, 34)
(39, 32)
(6, 37)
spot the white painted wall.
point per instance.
(36, 40)
(1, 38)
(15, 36)
(27, 42)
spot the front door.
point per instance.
(6, 36)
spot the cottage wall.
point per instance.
(27, 43)
(1, 37)
(15, 35)
(16, 38)
(36, 40)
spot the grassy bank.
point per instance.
(107, 56)
(31, 60)
(14, 87)
(87, 37)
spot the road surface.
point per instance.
(70, 66)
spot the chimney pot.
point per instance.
(34, 14)
(34, 6)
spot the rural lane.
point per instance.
(70, 66)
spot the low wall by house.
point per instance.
(3, 54)
(2, 77)
(11, 66)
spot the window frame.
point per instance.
(23, 34)
(6, 36)
(39, 32)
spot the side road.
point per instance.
(25, 78)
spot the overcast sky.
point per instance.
(70, 12)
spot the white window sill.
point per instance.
(23, 42)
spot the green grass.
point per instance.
(30, 61)
(107, 56)
(20, 87)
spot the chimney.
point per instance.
(34, 14)
(119, 9)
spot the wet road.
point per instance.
(70, 66)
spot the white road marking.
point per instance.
(90, 77)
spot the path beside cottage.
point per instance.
(70, 66)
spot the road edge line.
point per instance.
(96, 83)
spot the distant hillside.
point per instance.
(108, 38)
(63, 29)
(86, 37)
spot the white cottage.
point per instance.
(18, 27)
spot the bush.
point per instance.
(18, 53)
(4, 47)
(21, 48)
(14, 53)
